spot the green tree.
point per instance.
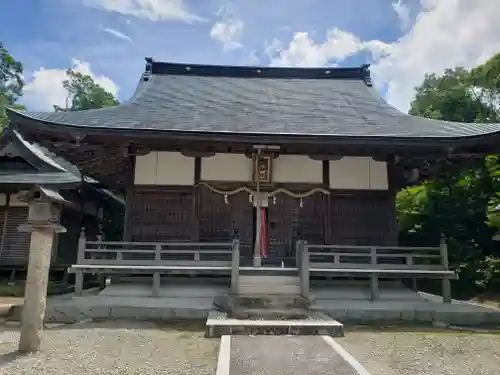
(84, 93)
(11, 82)
(456, 202)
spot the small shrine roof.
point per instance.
(44, 167)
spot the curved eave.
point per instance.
(59, 179)
(22, 119)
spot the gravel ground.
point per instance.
(113, 348)
(424, 353)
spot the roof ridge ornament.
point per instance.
(149, 69)
(366, 74)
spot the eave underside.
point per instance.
(104, 156)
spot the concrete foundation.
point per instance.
(192, 298)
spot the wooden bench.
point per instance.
(105, 257)
(376, 262)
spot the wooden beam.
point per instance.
(198, 154)
(4, 224)
(129, 195)
(325, 157)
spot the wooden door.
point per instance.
(282, 217)
(289, 222)
(219, 220)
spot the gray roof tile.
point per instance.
(233, 100)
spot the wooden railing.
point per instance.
(155, 258)
(375, 262)
(378, 257)
(157, 254)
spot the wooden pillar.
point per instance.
(327, 204)
(394, 185)
(129, 194)
(445, 282)
(235, 267)
(374, 281)
(4, 225)
(304, 270)
(43, 224)
(195, 221)
(80, 259)
(156, 275)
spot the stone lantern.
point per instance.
(45, 207)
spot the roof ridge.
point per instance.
(170, 68)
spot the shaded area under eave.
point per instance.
(204, 105)
(48, 170)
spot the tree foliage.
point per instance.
(457, 201)
(11, 82)
(84, 93)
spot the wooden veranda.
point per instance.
(223, 258)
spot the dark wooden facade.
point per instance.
(166, 213)
(14, 245)
(24, 165)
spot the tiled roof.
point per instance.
(336, 102)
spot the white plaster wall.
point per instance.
(298, 169)
(379, 180)
(145, 169)
(164, 168)
(174, 169)
(226, 167)
(14, 201)
(358, 173)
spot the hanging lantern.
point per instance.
(226, 201)
(301, 204)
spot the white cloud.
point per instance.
(338, 45)
(447, 33)
(228, 30)
(45, 89)
(117, 33)
(403, 12)
(154, 10)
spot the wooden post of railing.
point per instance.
(304, 270)
(156, 275)
(82, 243)
(298, 255)
(374, 287)
(235, 266)
(445, 282)
(409, 263)
(102, 278)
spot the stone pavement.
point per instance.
(285, 355)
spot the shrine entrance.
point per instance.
(267, 223)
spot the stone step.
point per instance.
(266, 284)
(269, 279)
(228, 303)
(218, 324)
(263, 271)
(270, 289)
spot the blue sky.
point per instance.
(109, 39)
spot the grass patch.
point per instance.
(488, 299)
(419, 329)
(16, 288)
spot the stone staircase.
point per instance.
(269, 283)
(268, 302)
